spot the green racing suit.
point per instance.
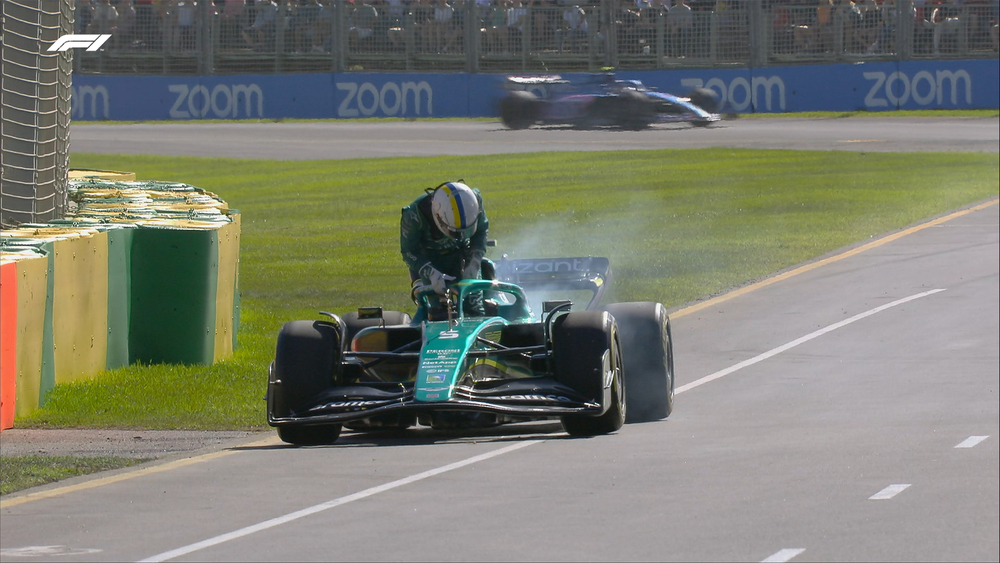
(423, 244)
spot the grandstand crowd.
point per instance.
(429, 34)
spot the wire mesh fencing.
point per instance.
(36, 105)
(274, 36)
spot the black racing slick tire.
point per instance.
(648, 359)
(584, 345)
(305, 363)
(519, 109)
(706, 99)
(635, 110)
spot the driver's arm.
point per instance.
(410, 225)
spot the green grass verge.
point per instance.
(677, 224)
(21, 472)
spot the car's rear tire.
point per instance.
(579, 343)
(647, 351)
(519, 109)
(706, 99)
(305, 363)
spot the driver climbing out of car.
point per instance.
(442, 236)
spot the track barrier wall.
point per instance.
(143, 272)
(874, 86)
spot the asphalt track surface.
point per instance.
(832, 413)
(340, 140)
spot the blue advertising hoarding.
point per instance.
(841, 87)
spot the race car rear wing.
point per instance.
(532, 80)
(589, 273)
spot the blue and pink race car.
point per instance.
(600, 101)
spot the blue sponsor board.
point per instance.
(839, 87)
(842, 87)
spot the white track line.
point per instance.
(971, 441)
(784, 555)
(889, 492)
(797, 341)
(174, 553)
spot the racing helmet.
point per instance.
(455, 209)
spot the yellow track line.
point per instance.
(50, 493)
(169, 466)
(819, 263)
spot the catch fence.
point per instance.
(278, 36)
(35, 94)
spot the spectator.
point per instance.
(573, 31)
(871, 18)
(923, 27)
(180, 24)
(323, 28)
(147, 24)
(125, 35)
(391, 20)
(260, 35)
(231, 21)
(804, 29)
(541, 35)
(494, 28)
(823, 34)
(886, 37)
(680, 22)
(423, 14)
(649, 13)
(437, 27)
(516, 14)
(483, 9)
(627, 22)
(84, 15)
(362, 32)
(302, 26)
(455, 33)
(105, 18)
(947, 27)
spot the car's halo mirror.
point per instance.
(369, 312)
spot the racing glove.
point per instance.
(472, 268)
(437, 279)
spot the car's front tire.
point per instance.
(305, 363)
(706, 99)
(584, 345)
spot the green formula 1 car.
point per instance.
(593, 369)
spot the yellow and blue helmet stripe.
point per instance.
(455, 207)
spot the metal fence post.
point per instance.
(471, 32)
(660, 37)
(610, 27)
(280, 25)
(339, 37)
(904, 29)
(206, 37)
